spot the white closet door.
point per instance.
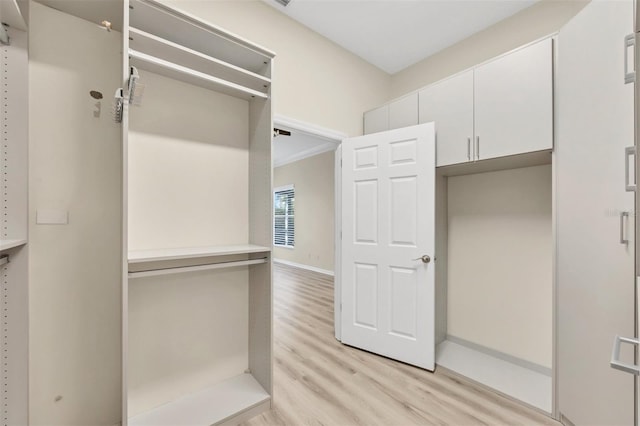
(514, 103)
(403, 112)
(595, 271)
(376, 120)
(449, 104)
(388, 219)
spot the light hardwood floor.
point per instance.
(319, 381)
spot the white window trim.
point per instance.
(279, 189)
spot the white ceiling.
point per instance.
(394, 34)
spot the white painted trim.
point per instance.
(319, 149)
(310, 129)
(546, 371)
(337, 264)
(307, 267)
(511, 380)
(284, 188)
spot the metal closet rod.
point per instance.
(180, 269)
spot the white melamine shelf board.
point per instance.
(197, 268)
(189, 31)
(209, 406)
(517, 161)
(531, 387)
(158, 255)
(178, 72)
(9, 244)
(152, 45)
(12, 15)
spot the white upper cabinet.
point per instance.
(450, 105)
(514, 103)
(501, 108)
(403, 112)
(376, 120)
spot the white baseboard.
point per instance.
(307, 267)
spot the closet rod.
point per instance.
(180, 269)
(4, 260)
(188, 75)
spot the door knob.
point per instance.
(425, 258)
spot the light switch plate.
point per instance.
(52, 217)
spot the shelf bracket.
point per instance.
(4, 259)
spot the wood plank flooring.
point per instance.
(319, 381)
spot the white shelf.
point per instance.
(178, 72)
(152, 45)
(9, 244)
(161, 255)
(187, 30)
(212, 405)
(12, 15)
(529, 386)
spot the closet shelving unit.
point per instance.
(14, 296)
(162, 41)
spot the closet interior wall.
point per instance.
(188, 170)
(499, 262)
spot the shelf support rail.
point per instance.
(180, 269)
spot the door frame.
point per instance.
(331, 136)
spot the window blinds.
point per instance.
(284, 224)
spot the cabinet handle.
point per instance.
(628, 152)
(623, 234)
(629, 76)
(615, 356)
(469, 149)
(477, 150)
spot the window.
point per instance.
(283, 230)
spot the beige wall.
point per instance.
(180, 157)
(75, 166)
(539, 20)
(500, 261)
(313, 179)
(315, 80)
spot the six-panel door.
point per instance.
(388, 224)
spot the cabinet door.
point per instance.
(450, 105)
(595, 272)
(403, 112)
(514, 103)
(376, 120)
